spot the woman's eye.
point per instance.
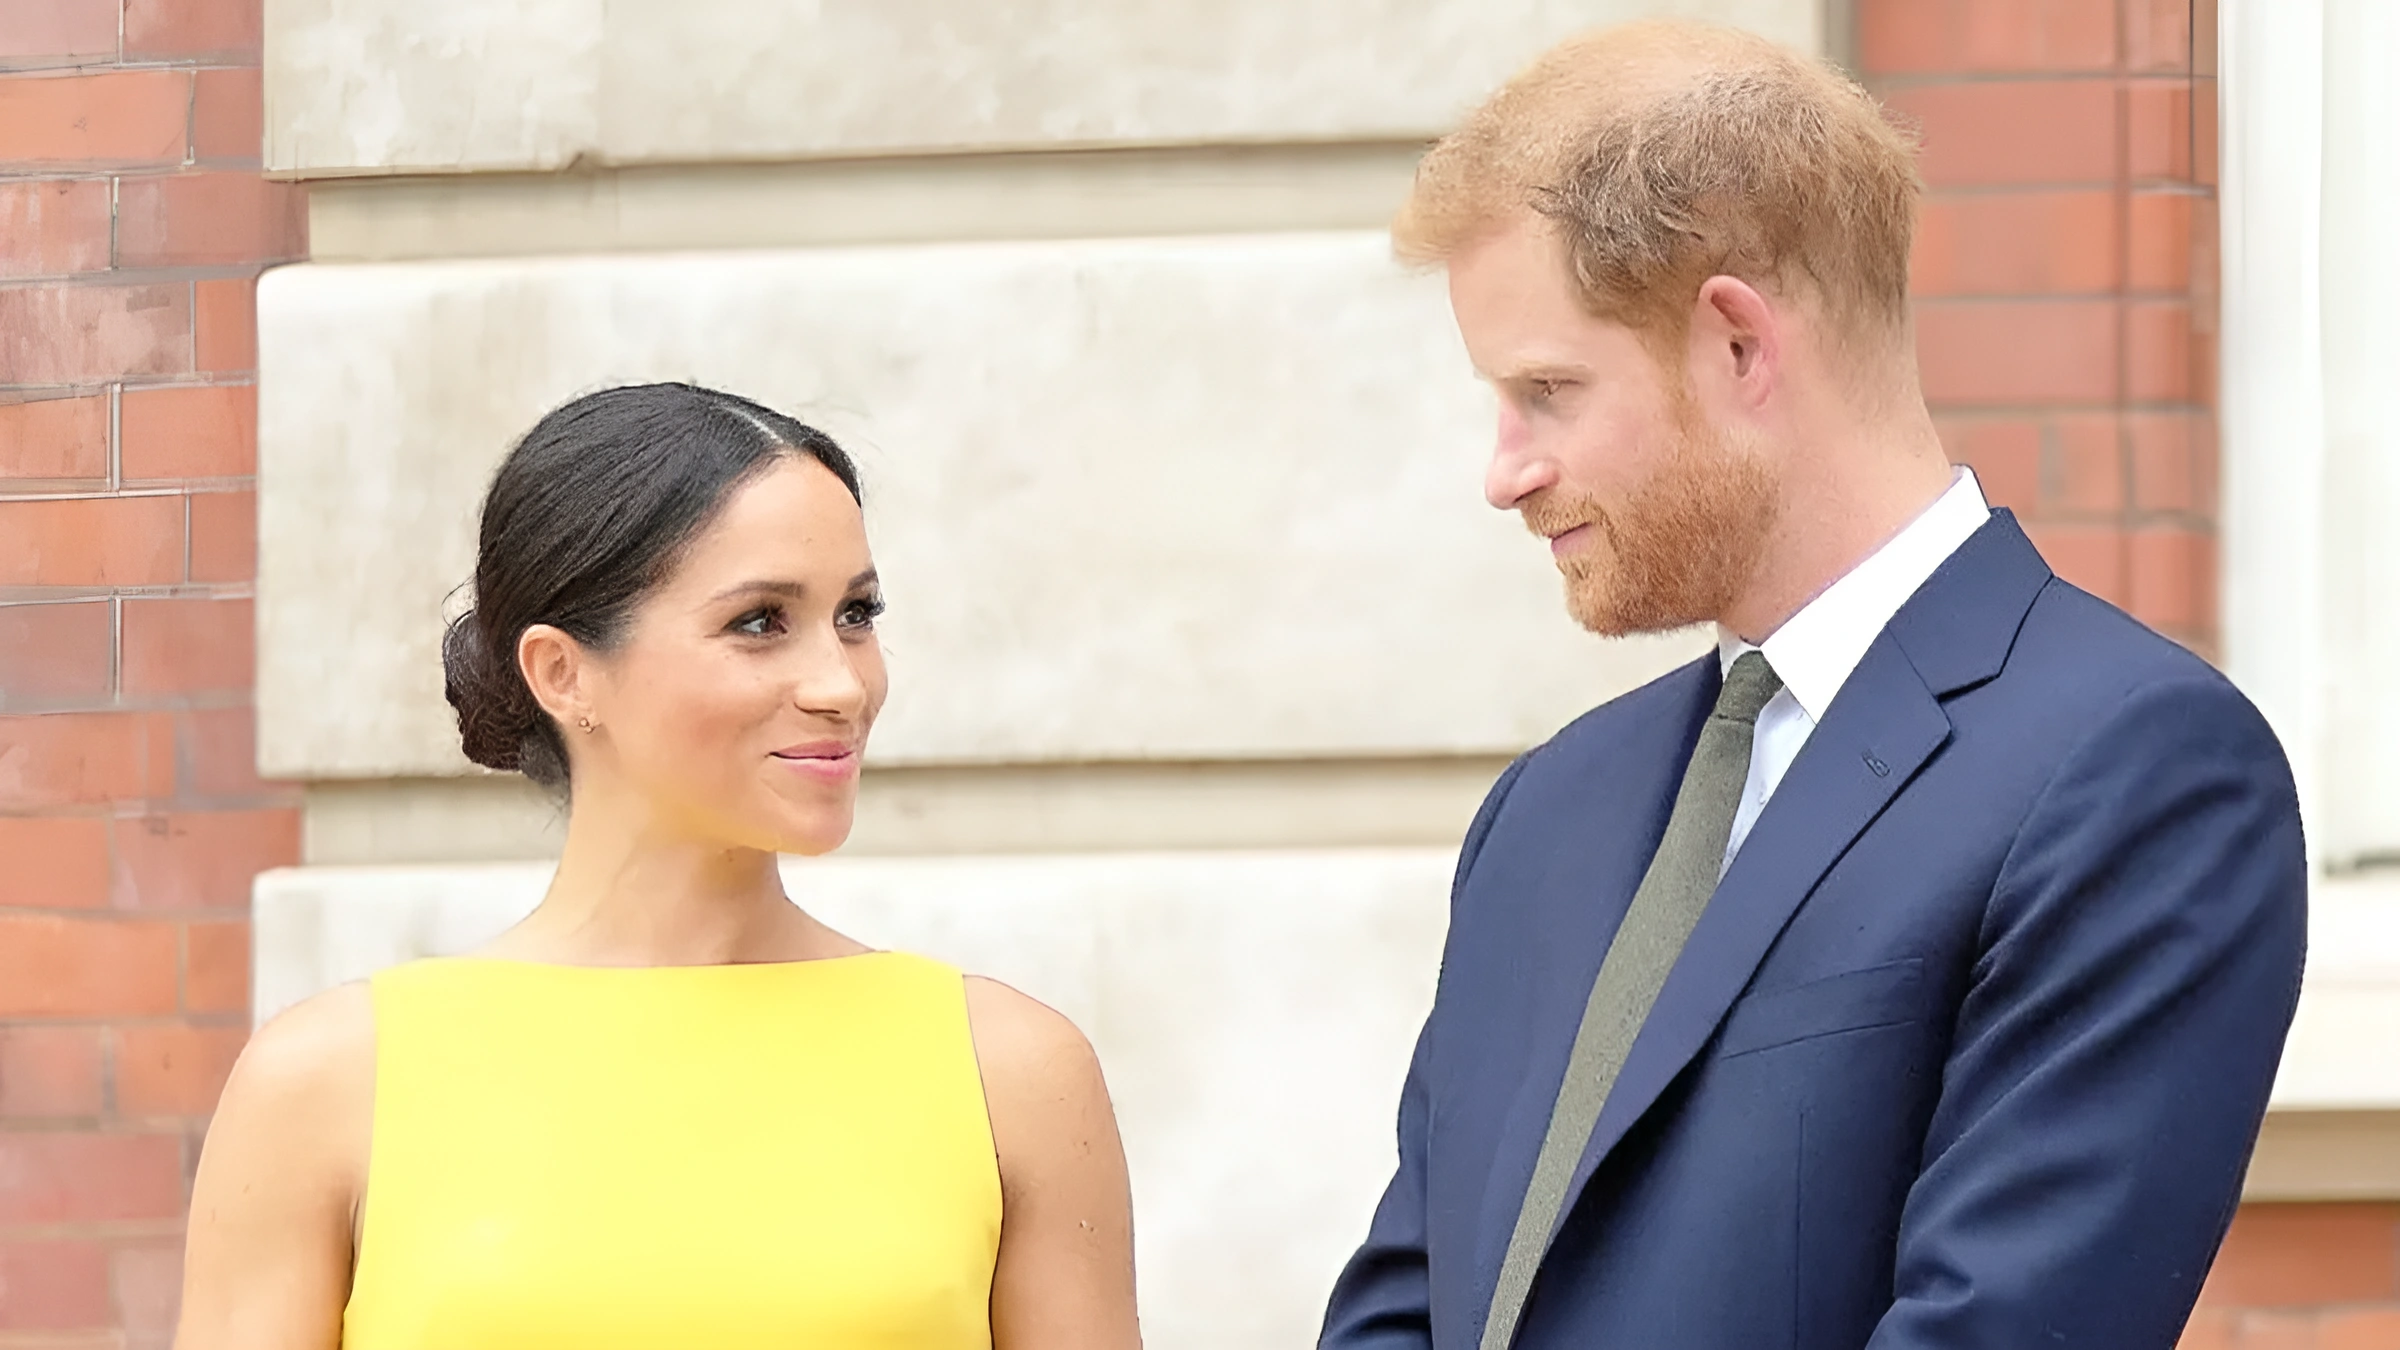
(859, 614)
(760, 623)
(1544, 390)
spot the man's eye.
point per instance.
(1543, 390)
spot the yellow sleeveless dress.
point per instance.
(788, 1155)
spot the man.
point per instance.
(1909, 973)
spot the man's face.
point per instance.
(1656, 517)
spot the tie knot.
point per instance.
(1748, 687)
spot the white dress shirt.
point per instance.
(1816, 649)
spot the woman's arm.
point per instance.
(268, 1257)
(1065, 1275)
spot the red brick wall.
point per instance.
(133, 224)
(2066, 273)
(2304, 1277)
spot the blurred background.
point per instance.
(1204, 646)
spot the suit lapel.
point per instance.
(1884, 725)
(1574, 913)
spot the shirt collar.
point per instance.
(1816, 649)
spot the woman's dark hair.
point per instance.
(588, 513)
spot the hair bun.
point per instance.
(496, 712)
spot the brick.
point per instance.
(2162, 364)
(2210, 1329)
(92, 541)
(2300, 1255)
(225, 327)
(2006, 458)
(2002, 352)
(86, 966)
(2090, 556)
(2031, 243)
(55, 655)
(2204, 133)
(56, 1178)
(187, 432)
(2015, 132)
(55, 1285)
(174, 1070)
(224, 536)
(1923, 37)
(186, 646)
(1905, 37)
(2360, 1329)
(54, 333)
(2158, 251)
(201, 859)
(113, 117)
(53, 862)
(229, 116)
(2174, 583)
(2159, 132)
(220, 753)
(2158, 36)
(148, 1281)
(171, 28)
(53, 227)
(216, 967)
(55, 438)
(2174, 462)
(2087, 464)
(57, 28)
(199, 219)
(82, 759)
(49, 1072)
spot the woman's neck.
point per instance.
(632, 891)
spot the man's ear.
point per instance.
(1737, 342)
(554, 666)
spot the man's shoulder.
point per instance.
(2086, 658)
(1632, 722)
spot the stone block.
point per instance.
(1139, 499)
(1254, 1013)
(386, 86)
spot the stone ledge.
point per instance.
(388, 86)
(1132, 499)
(1254, 1013)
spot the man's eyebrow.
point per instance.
(1547, 370)
(789, 590)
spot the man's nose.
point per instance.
(1516, 472)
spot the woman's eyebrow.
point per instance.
(789, 590)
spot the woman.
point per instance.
(669, 1108)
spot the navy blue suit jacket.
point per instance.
(1968, 1051)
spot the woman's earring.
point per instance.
(584, 722)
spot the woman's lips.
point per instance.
(831, 761)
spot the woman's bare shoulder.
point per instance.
(1027, 1046)
(304, 1087)
(323, 1044)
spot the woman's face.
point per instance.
(741, 697)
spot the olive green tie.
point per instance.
(1682, 876)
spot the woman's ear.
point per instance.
(554, 666)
